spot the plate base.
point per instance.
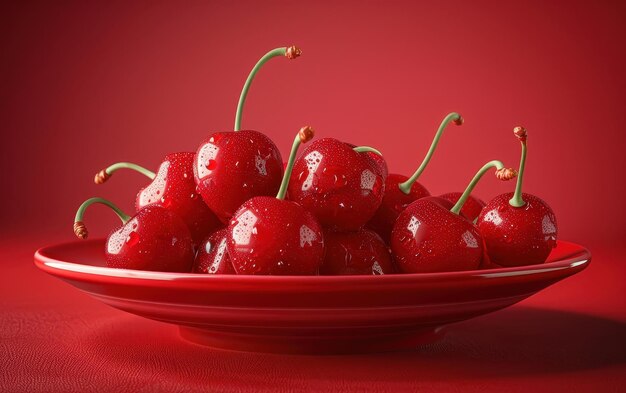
(312, 345)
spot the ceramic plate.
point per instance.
(306, 314)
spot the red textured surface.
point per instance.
(89, 83)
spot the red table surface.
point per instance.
(570, 337)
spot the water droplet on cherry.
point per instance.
(132, 239)
(211, 165)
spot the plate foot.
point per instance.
(328, 344)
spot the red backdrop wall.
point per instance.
(85, 84)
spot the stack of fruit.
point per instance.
(233, 207)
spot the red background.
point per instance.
(86, 84)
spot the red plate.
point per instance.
(306, 314)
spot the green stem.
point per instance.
(362, 149)
(81, 210)
(305, 135)
(517, 200)
(129, 165)
(451, 117)
(244, 92)
(459, 204)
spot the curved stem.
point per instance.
(81, 210)
(305, 135)
(291, 52)
(517, 200)
(362, 149)
(459, 204)
(79, 228)
(451, 117)
(129, 165)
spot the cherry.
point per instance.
(472, 206)
(361, 252)
(173, 188)
(380, 162)
(273, 236)
(154, 238)
(376, 158)
(393, 203)
(232, 167)
(400, 190)
(340, 184)
(212, 257)
(518, 228)
(431, 236)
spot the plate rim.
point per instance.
(73, 270)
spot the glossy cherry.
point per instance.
(518, 228)
(400, 190)
(154, 238)
(172, 187)
(472, 206)
(380, 162)
(340, 184)
(376, 158)
(232, 167)
(212, 256)
(431, 236)
(270, 235)
(360, 252)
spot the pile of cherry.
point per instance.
(233, 207)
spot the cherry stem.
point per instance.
(364, 149)
(290, 52)
(79, 228)
(495, 163)
(451, 117)
(517, 200)
(104, 174)
(304, 135)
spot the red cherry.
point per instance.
(517, 236)
(272, 236)
(518, 228)
(232, 167)
(340, 186)
(400, 190)
(394, 202)
(376, 159)
(362, 252)
(172, 187)
(472, 206)
(212, 257)
(431, 236)
(154, 238)
(427, 238)
(380, 162)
